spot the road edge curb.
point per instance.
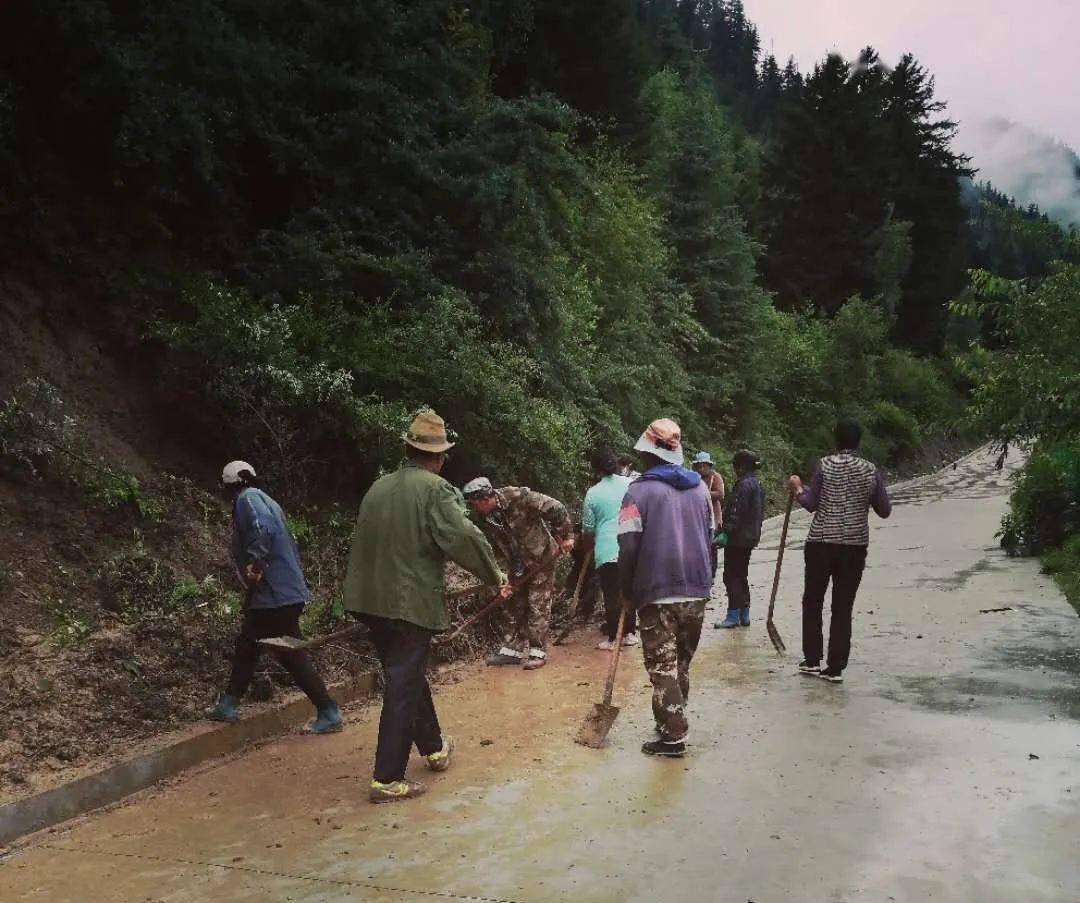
(110, 785)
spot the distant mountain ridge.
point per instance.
(1031, 167)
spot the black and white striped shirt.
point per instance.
(841, 494)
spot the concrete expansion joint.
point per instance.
(272, 873)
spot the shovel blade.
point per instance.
(774, 635)
(598, 722)
(283, 642)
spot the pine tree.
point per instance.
(926, 188)
(826, 196)
(691, 160)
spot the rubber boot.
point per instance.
(732, 620)
(744, 616)
(327, 721)
(225, 710)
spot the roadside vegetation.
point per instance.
(1029, 394)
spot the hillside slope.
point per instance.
(117, 606)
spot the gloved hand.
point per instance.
(720, 539)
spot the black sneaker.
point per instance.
(807, 668)
(666, 748)
(833, 677)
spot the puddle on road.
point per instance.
(1029, 656)
(955, 694)
(959, 579)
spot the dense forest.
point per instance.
(553, 220)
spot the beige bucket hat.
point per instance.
(427, 433)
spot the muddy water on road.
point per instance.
(947, 767)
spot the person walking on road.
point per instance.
(268, 564)
(530, 529)
(843, 490)
(666, 573)
(714, 486)
(600, 525)
(743, 517)
(410, 522)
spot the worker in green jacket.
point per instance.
(410, 522)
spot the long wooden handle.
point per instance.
(609, 688)
(498, 600)
(780, 554)
(586, 561)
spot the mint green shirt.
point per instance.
(601, 516)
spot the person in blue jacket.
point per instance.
(743, 517)
(268, 564)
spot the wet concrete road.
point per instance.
(915, 780)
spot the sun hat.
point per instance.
(703, 457)
(230, 473)
(427, 433)
(662, 438)
(480, 488)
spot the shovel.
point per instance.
(294, 644)
(575, 602)
(598, 722)
(774, 634)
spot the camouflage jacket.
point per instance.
(522, 527)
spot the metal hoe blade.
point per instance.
(594, 730)
(774, 635)
(283, 642)
(295, 644)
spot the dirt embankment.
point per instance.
(117, 607)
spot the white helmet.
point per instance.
(230, 474)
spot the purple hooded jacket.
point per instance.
(664, 537)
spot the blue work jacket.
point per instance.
(261, 536)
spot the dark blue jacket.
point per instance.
(744, 512)
(261, 536)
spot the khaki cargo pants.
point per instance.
(669, 638)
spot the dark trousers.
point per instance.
(609, 586)
(260, 623)
(714, 559)
(737, 576)
(843, 565)
(408, 711)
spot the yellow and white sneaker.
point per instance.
(394, 791)
(440, 761)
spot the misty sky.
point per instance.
(1011, 58)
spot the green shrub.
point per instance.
(34, 426)
(920, 387)
(893, 434)
(1064, 565)
(188, 594)
(36, 431)
(1045, 502)
(136, 583)
(71, 624)
(114, 489)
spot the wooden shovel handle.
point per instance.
(609, 687)
(780, 553)
(498, 600)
